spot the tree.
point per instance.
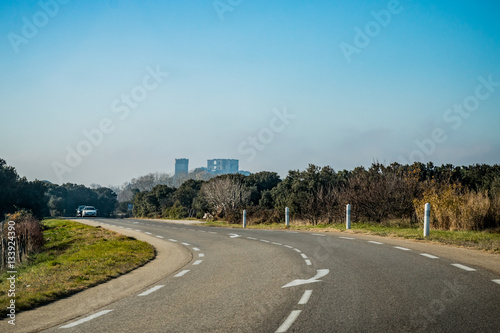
(187, 193)
(226, 193)
(8, 188)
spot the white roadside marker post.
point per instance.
(287, 216)
(348, 216)
(244, 218)
(427, 218)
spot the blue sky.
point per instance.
(233, 66)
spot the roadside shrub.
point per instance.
(28, 236)
(177, 211)
(382, 192)
(454, 207)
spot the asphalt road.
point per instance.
(282, 281)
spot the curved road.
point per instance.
(282, 281)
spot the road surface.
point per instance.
(282, 281)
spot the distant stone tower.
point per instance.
(181, 166)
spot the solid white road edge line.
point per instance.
(83, 320)
(289, 321)
(152, 290)
(465, 268)
(305, 297)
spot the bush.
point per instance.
(454, 207)
(177, 211)
(28, 235)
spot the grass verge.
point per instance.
(480, 240)
(75, 257)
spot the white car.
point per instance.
(89, 211)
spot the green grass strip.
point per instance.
(481, 240)
(75, 257)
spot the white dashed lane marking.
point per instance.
(152, 290)
(305, 297)
(428, 255)
(84, 320)
(181, 273)
(496, 281)
(197, 262)
(402, 248)
(346, 237)
(465, 268)
(374, 242)
(289, 321)
(308, 262)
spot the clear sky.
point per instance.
(105, 91)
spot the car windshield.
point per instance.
(89, 208)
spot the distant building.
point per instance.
(181, 166)
(222, 166)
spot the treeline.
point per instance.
(463, 198)
(44, 199)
